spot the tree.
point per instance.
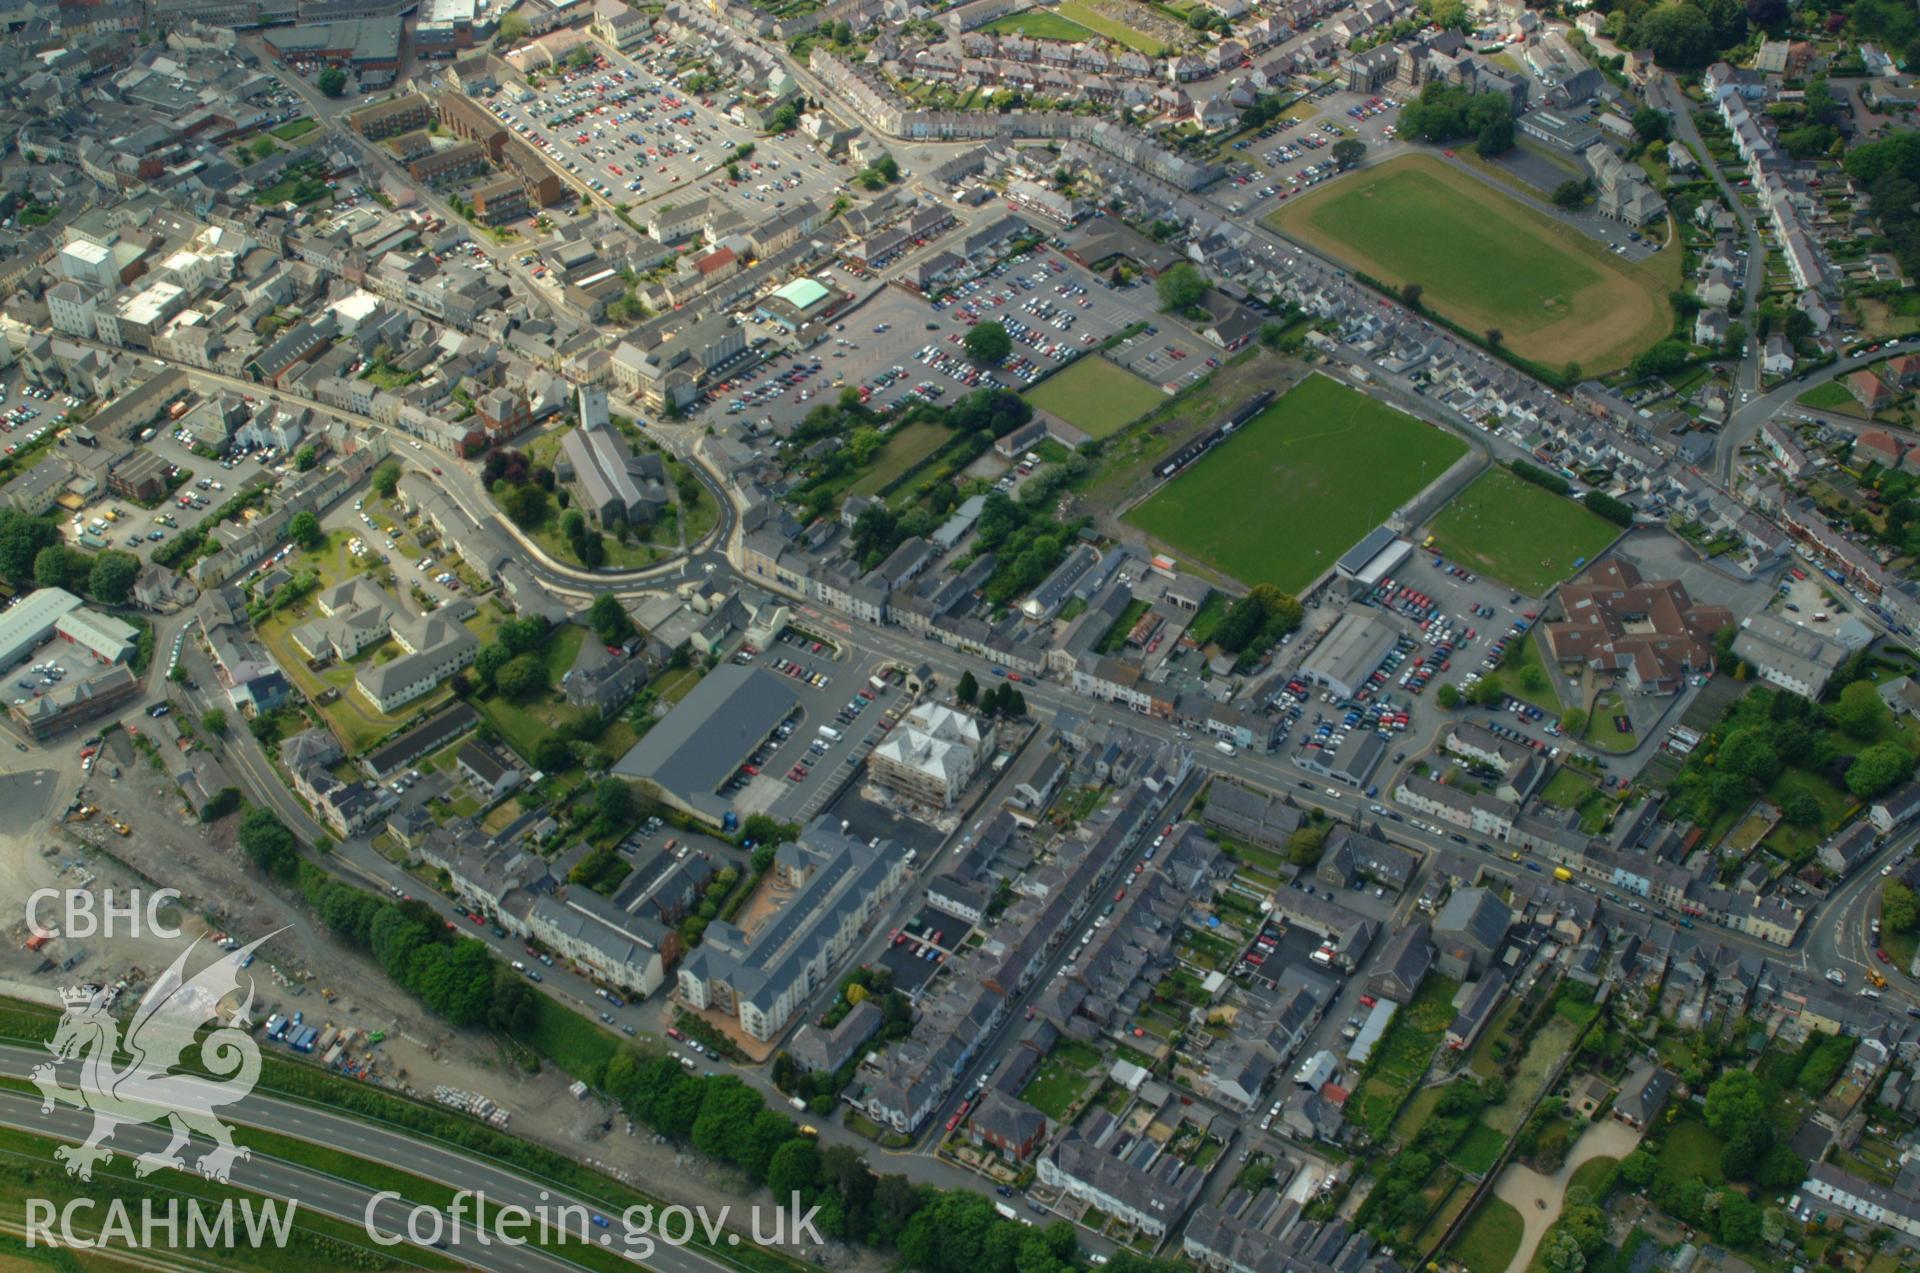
(214, 721)
(261, 147)
(967, 690)
(386, 478)
(1449, 697)
(1800, 809)
(987, 344)
(1562, 1253)
(1735, 1103)
(1738, 1219)
(1573, 722)
(1749, 754)
(1410, 294)
(521, 676)
(553, 755)
(267, 844)
(1651, 124)
(332, 81)
(1861, 713)
(21, 539)
(526, 505)
(1495, 137)
(512, 29)
(58, 566)
(1899, 907)
(1571, 193)
(305, 530)
(1349, 151)
(1180, 288)
(305, 458)
(1680, 35)
(1878, 769)
(1639, 1168)
(608, 619)
(112, 576)
(1305, 846)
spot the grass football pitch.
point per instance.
(1523, 535)
(1485, 261)
(1095, 397)
(1297, 486)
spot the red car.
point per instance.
(437, 472)
(1881, 955)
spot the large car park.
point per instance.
(1054, 309)
(839, 716)
(626, 129)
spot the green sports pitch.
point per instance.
(1297, 486)
(1095, 396)
(1523, 535)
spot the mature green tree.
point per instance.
(305, 458)
(526, 505)
(987, 343)
(214, 721)
(305, 530)
(1736, 1102)
(386, 479)
(332, 81)
(966, 690)
(1349, 151)
(609, 619)
(112, 576)
(1878, 769)
(521, 676)
(268, 844)
(1899, 908)
(1748, 753)
(1180, 288)
(1651, 124)
(1861, 712)
(1680, 35)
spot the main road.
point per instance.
(413, 1153)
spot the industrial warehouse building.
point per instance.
(1349, 653)
(1372, 559)
(700, 743)
(47, 612)
(800, 302)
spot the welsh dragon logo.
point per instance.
(148, 1088)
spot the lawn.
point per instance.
(1299, 484)
(1691, 1151)
(1085, 14)
(1491, 1239)
(1063, 1079)
(1601, 733)
(294, 129)
(904, 448)
(1488, 261)
(1523, 535)
(1095, 396)
(1594, 1175)
(1831, 396)
(1039, 25)
(1478, 1150)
